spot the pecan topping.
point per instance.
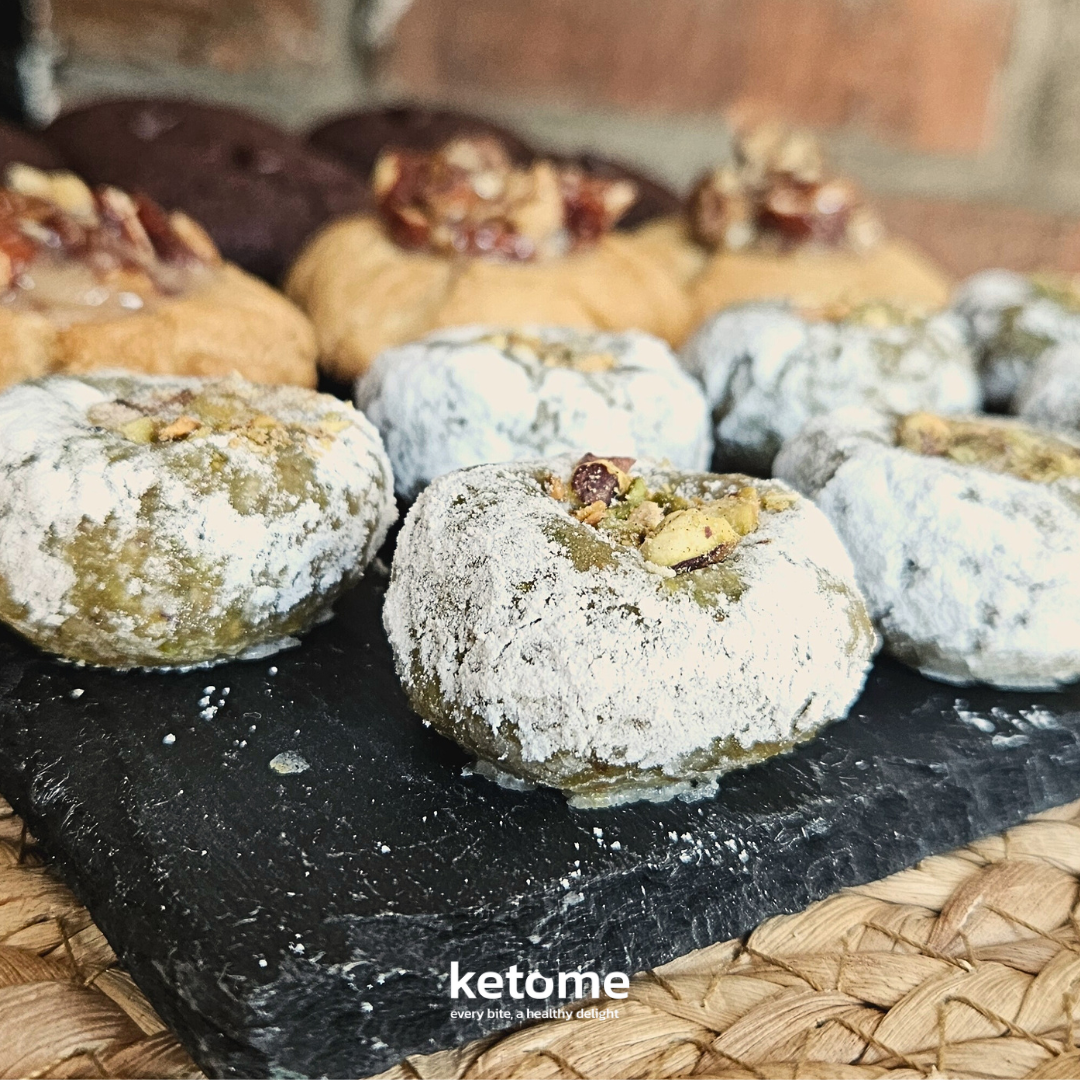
(55, 215)
(778, 193)
(596, 480)
(469, 198)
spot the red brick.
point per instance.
(966, 237)
(919, 72)
(228, 34)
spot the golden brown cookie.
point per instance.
(97, 279)
(774, 225)
(821, 277)
(465, 236)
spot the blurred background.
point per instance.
(972, 104)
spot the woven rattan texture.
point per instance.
(966, 966)
(66, 1008)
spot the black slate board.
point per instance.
(358, 881)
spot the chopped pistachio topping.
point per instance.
(672, 532)
(577, 354)
(989, 444)
(152, 416)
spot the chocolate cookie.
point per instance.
(358, 138)
(257, 190)
(19, 145)
(654, 200)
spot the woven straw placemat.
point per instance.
(967, 965)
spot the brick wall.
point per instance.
(963, 98)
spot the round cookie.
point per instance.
(97, 279)
(622, 631)
(259, 191)
(472, 395)
(965, 535)
(1050, 396)
(768, 367)
(465, 237)
(171, 522)
(1013, 320)
(775, 225)
(357, 139)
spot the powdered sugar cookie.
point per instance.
(1050, 396)
(1012, 321)
(620, 630)
(965, 535)
(767, 368)
(170, 522)
(471, 395)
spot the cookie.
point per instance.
(1012, 320)
(97, 279)
(472, 395)
(170, 522)
(622, 630)
(776, 224)
(965, 533)
(358, 138)
(768, 367)
(257, 190)
(463, 237)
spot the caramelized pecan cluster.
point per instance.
(777, 192)
(469, 198)
(55, 215)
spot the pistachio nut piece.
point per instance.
(698, 536)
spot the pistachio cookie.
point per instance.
(768, 367)
(95, 279)
(465, 236)
(623, 631)
(1012, 321)
(965, 534)
(169, 522)
(471, 395)
(775, 224)
(1050, 396)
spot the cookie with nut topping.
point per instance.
(965, 532)
(97, 278)
(162, 522)
(470, 395)
(777, 224)
(622, 630)
(465, 236)
(768, 367)
(1013, 320)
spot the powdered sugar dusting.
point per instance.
(214, 505)
(518, 629)
(973, 575)
(767, 370)
(457, 398)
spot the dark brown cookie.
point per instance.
(654, 199)
(19, 145)
(259, 191)
(358, 138)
